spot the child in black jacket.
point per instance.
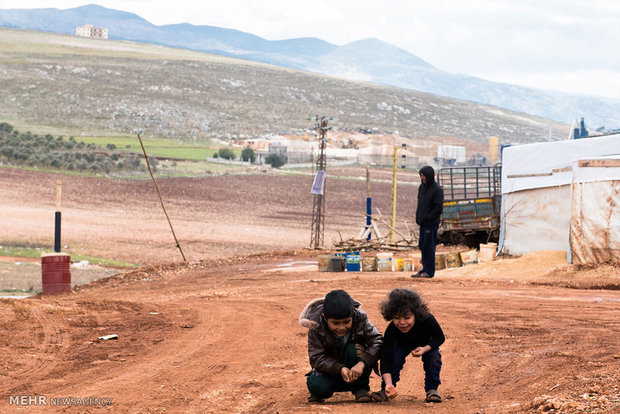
(413, 329)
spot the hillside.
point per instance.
(368, 60)
(89, 86)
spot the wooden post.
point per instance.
(58, 194)
(368, 204)
(393, 217)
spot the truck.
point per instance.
(472, 202)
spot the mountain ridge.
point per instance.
(368, 60)
(88, 87)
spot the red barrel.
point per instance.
(56, 273)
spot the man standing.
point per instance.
(427, 216)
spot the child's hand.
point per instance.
(391, 391)
(421, 350)
(345, 374)
(356, 371)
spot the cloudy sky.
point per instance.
(564, 45)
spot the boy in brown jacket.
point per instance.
(343, 347)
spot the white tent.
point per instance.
(536, 191)
(595, 211)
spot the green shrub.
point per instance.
(226, 153)
(274, 160)
(248, 154)
(4, 127)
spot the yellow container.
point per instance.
(453, 260)
(399, 264)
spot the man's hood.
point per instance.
(429, 173)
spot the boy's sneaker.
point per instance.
(362, 396)
(422, 275)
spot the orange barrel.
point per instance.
(55, 273)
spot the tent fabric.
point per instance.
(595, 211)
(536, 192)
(534, 220)
(548, 164)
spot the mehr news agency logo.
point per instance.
(43, 400)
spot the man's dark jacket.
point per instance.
(430, 200)
(322, 347)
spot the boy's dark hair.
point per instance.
(337, 304)
(402, 301)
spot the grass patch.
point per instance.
(16, 292)
(159, 147)
(101, 261)
(35, 251)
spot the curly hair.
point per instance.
(402, 301)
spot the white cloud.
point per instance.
(600, 82)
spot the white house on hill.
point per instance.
(89, 31)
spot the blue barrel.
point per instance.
(353, 261)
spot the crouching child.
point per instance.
(412, 330)
(343, 347)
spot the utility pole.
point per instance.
(318, 187)
(394, 169)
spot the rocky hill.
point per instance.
(90, 86)
(368, 60)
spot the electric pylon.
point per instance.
(318, 187)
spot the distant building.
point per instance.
(89, 31)
(454, 152)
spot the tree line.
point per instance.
(27, 149)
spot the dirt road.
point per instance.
(220, 334)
